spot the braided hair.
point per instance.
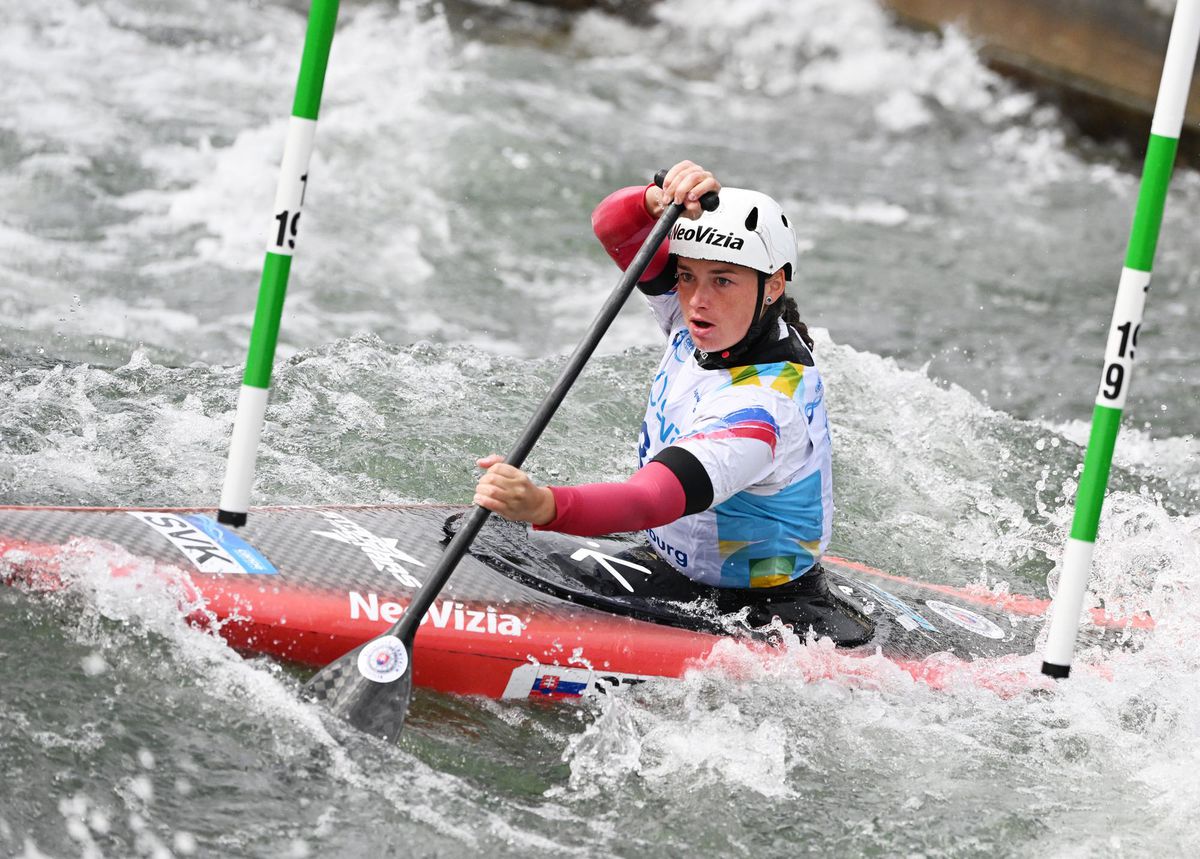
(791, 315)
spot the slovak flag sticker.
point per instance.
(553, 686)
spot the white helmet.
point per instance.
(747, 228)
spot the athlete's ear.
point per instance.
(774, 286)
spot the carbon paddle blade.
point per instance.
(369, 687)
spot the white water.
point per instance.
(961, 253)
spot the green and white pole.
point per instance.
(1123, 336)
(281, 244)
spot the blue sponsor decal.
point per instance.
(245, 556)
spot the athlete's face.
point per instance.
(718, 300)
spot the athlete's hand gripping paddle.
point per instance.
(371, 685)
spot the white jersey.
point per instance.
(762, 435)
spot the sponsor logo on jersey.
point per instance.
(383, 551)
(444, 614)
(666, 432)
(967, 619)
(207, 544)
(667, 550)
(682, 346)
(810, 408)
(708, 236)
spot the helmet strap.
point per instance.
(762, 332)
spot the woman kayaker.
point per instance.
(734, 486)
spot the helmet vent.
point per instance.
(752, 219)
(783, 218)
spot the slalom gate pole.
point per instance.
(1123, 336)
(281, 244)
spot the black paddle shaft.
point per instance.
(379, 708)
(406, 627)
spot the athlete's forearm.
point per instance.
(621, 223)
(653, 496)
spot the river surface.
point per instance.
(961, 247)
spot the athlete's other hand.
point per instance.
(686, 183)
(509, 492)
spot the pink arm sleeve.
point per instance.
(621, 223)
(652, 497)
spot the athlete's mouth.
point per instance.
(701, 325)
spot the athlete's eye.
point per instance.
(724, 281)
(683, 277)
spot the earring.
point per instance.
(769, 300)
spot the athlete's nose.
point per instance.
(699, 297)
